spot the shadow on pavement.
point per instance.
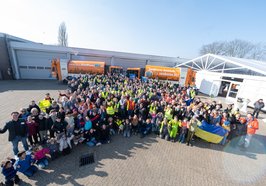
(257, 146)
(66, 169)
(12, 85)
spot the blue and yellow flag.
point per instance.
(210, 133)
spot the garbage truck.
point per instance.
(185, 76)
(62, 68)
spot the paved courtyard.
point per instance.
(135, 161)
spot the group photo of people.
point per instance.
(94, 108)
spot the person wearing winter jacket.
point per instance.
(165, 130)
(10, 172)
(25, 164)
(17, 132)
(40, 155)
(42, 127)
(32, 131)
(252, 126)
(258, 105)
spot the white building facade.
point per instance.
(230, 77)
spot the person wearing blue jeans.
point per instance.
(15, 142)
(92, 142)
(183, 135)
(17, 132)
(90, 137)
(42, 163)
(30, 171)
(146, 128)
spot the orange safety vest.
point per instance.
(130, 105)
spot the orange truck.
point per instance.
(185, 76)
(63, 68)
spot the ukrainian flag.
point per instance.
(210, 133)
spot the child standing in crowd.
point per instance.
(192, 127)
(183, 132)
(32, 131)
(135, 122)
(127, 128)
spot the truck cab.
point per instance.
(115, 70)
(133, 73)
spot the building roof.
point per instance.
(225, 64)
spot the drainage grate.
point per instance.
(86, 159)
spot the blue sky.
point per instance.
(160, 27)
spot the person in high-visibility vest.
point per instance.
(130, 106)
(173, 124)
(192, 93)
(104, 94)
(168, 113)
(152, 108)
(44, 104)
(110, 110)
(165, 130)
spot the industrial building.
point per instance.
(229, 77)
(23, 59)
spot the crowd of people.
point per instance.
(96, 107)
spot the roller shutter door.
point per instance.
(129, 63)
(36, 64)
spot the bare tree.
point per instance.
(236, 48)
(213, 48)
(62, 35)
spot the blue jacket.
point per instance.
(88, 125)
(9, 173)
(23, 165)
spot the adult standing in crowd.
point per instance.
(252, 125)
(17, 132)
(258, 105)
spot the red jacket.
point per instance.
(32, 128)
(252, 126)
(40, 154)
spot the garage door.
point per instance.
(129, 63)
(35, 64)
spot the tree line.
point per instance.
(236, 48)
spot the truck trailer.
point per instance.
(63, 68)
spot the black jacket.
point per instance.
(59, 127)
(43, 124)
(15, 128)
(34, 106)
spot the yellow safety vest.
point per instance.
(104, 95)
(44, 104)
(110, 110)
(168, 114)
(152, 108)
(116, 107)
